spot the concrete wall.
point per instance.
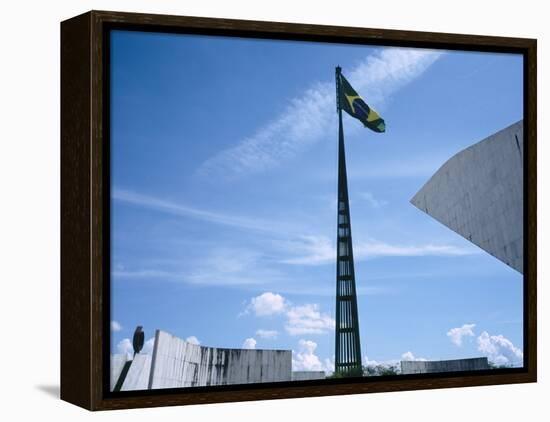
(478, 193)
(177, 363)
(424, 367)
(307, 375)
(138, 375)
(117, 363)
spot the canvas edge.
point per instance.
(83, 322)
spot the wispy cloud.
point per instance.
(373, 248)
(309, 250)
(383, 73)
(146, 273)
(183, 210)
(318, 250)
(264, 261)
(250, 276)
(309, 117)
(312, 289)
(396, 168)
(304, 122)
(218, 267)
(267, 334)
(409, 165)
(231, 266)
(371, 200)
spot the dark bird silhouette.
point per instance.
(139, 339)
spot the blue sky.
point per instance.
(224, 197)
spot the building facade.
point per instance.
(478, 193)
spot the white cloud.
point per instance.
(217, 266)
(249, 343)
(148, 346)
(308, 118)
(302, 319)
(237, 266)
(410, 356)
(183, 210)
(369, 362)
(373, 248)
(304, 122)
(146, 273)
(456, 334)
(267, 303)
(329, 365)
(115, 326)
(192, 340)
(307, 319)
(319, 250)
(125, 346)
(375, 367)
(384, 72)
(230, 267)
(499, 350)
(305, 249)
(386, 363)
(267, 334)
(370, 199)
(314, 250)
(417, 166)
(306, 359)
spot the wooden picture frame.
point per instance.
(85, 208)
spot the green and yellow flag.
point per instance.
(352, 103)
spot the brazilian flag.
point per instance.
(352, 103)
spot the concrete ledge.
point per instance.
(455, 365)
(308, 375)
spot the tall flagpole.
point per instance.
(348, 345)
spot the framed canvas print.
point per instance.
(211, 171)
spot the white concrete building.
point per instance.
(308, 375)
(434, 366)
(176, 363)
(478, 193)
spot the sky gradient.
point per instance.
(223, 208)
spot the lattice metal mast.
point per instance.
(348, 345)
